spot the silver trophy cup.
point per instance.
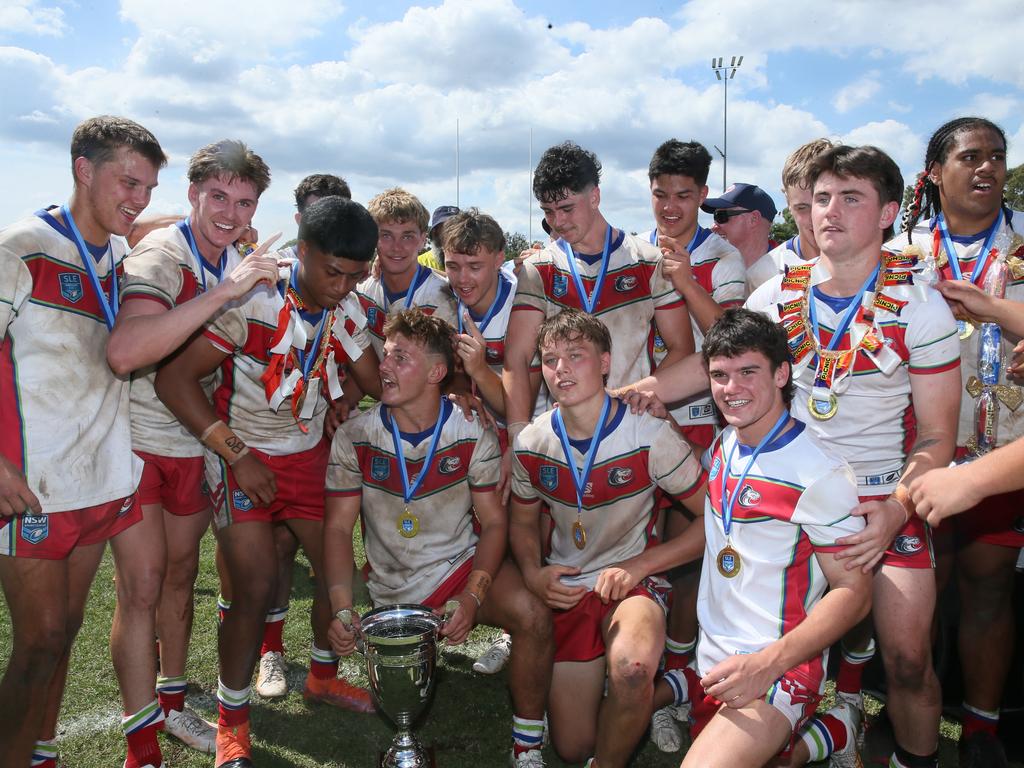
(399, 643)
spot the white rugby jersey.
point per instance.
(363, 463)
(634, 289)
(795, 502)
(63, 414)
(637, 454)
(245, 333)
(874, 427)
(926, 235)
(429, 291)
(718, 268)
(773, 263)
(162, 268)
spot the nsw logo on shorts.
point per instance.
(619, 475)
(560, 286)
(749, 497)
(240, 501)
(380, 468)
(907, 545)
(35, 528)
(449, 464)
(549, 476)
(127, 505)
(70, 286)
(625, 283)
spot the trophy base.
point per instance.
(420, 758)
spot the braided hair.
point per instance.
(926, 200)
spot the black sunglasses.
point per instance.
(721, 215)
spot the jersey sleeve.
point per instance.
(344, 477)
(672, 463)
(530, 288)
(931, 336)
(522, 489)
(765, 299)
(823, 510)
(485, 463)
(15, 287)
(151, 272)
(729, 279)
(229, 331)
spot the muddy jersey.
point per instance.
(63, 414)
(429, 291)
(163, 268)
(795, 503)
(913, 332)
(637, 454)
(633, 291)
(926, 235)
(774, 262)
(247, 334)
(403, 568)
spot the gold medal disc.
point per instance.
(579, 535)
(408, 524)
(729, 562)
(966, 328)
(823, 410)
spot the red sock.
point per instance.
(978, 721)
(324, 670)
(171, 701)
(851, 668)
(273, 637)
(143, 748)
(232, 718)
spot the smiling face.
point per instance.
(222, 208)
(848, 218)
(398, 245)
(971, 178)
(574, 370)
(408, 371)
(748, 392)
(474, 276)
(110, 195)
(676, 199)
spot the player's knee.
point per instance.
(37, 652)
(532, 619)
(571, 748)
(907, 667)
(181, 574)
(629, 676)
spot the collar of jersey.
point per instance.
(415, 438)
(583, 444)
(779, 442)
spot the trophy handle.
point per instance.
(345, 617)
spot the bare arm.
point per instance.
(543, 580)
(967, 299)
(677, 268)
(520, 346)
(472, 350)
(677, 333)
(340, 515)
(366, 372)
(674, 382)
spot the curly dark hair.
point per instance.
(565, 169)
(681, 158)
(320, 185)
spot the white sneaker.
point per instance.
(850, 716)
(854, 702)
(271, 682)
(191, 730)
(494, 659)
(531, 759)
(664, 732)
(680, 712)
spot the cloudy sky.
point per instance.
(373, 91)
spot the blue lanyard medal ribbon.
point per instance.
(204, 266)
(499, 294)
(729, 560)
(408, 523)
(422, 273)
(111, 305)
(823, 403)
(588, 302)
(981, 262)
(580, 475)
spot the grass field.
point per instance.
(468, 722)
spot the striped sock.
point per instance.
(273, 631)
(232, 705)
(824, 735)
(140, 733)
(170, 692)
(851, 667)
(44, 755)
(678, 681)
(526, 734)
(903, 759)
(677, 654)
(322, 664)
(977, 720)
(223, 606)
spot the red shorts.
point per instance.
(450, 587)
(912, 547)
(701, 436)
(996, 520)
(578, 634)
(176, 483)
(54, 536)
(300, 477)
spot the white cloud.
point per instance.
(28, 17)
(857, 93)
(897, 140)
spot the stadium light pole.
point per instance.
(725, 73)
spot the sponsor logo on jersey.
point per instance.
(35, 528)
(701, 411)
(549, 476)
(127, 505)
(70, 286)
(907, 545)
(380, 468)
(619, 475)
(625, 283)
(449, 464)
(560, 286)
(240, 501)
(888, 478)
(749, 497)
(716, 467)
(372, 314)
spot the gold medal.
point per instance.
(966, 328)
(408, 524)
(823, 410)
(579, 534)
(729, 562)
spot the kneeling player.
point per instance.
(417, 447)
(777, 501)
(597, 466)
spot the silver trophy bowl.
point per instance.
(399, 643)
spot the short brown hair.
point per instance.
(796, 171)
(98, 138)
(395, 205)
(570, 325)
(230, 158)
(467, 231)
(321, 185)
(865, 162)
(433, 333)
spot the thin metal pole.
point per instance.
(456, 162)
(725, 134)
(529, 189)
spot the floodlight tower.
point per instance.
(725, 73)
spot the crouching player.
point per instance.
(777, 501)
(597, 466)
(419, 470)
(267, 464)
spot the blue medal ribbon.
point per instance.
(982, 261)
(847, 318)
(794, 245)
(689, 246)
(504, 286)
(110, 306)
(588, 301)
(204, 266)
(422, 273)
(409, 492)
(306, 360)
(580, 475)
(727, 501)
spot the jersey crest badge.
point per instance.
(380, 468)
(749, 497)
(907, 545)
(449, 464)
(549, 476)
(716, 467)
(372, 314)
(559, 286)
(70, 286)
(240, 501)
(625, 283)
(619, 475)
(35, 528)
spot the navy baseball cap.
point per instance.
(747, 196)
(442, 214)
